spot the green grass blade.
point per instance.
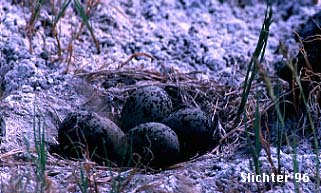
(295, 161)
(85, 19)
(315, 137)
(257, 131)
(258, 53)
(83, 15)
(83, 184)
(62, 10)
(40, 146)
(296, 78)
(35, 14)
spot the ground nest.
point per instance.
(187, 112)
(217, 105)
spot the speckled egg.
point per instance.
(83, 133)
(2, 127)
(152, 144)
(192, 128)
(146, 104)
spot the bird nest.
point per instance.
(220, 102)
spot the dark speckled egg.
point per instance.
(152, 144)
(192, 128)
(83, 133)
(146, 104)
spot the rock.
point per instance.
(308, 63)
(312, 45)
(311, 27)
(44, 55)
(152, 144)
(2, 127)
(83, 133)
(192, 128)
(146, 104)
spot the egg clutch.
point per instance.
(151, 133)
